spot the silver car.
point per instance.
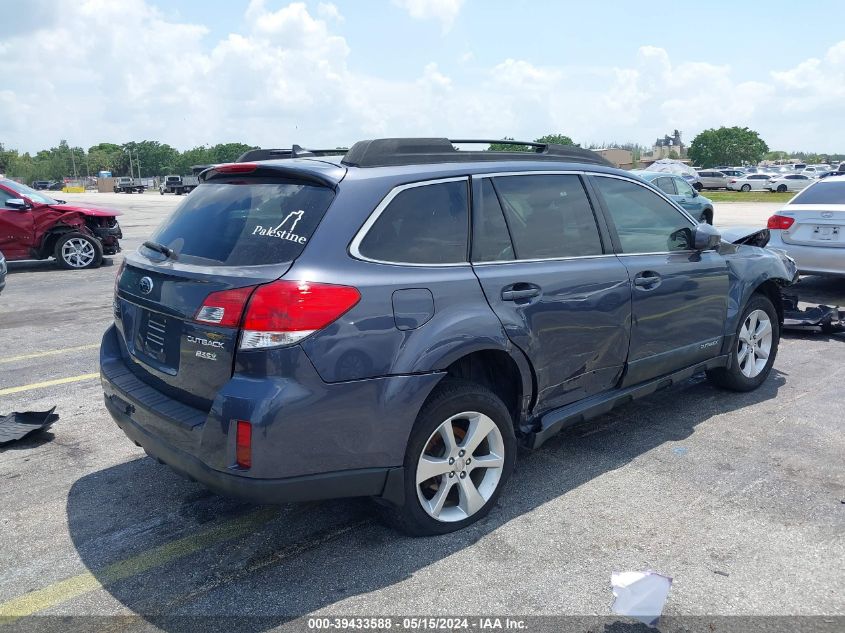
(751, 182)
(811, 228)
(712, 179)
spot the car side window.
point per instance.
(645, 222)
(666, 185)
(683, 187)
(3, 197)
(491, 241)
(426, 224)
(548, 216)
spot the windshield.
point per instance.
(829, 192)
(29, 192)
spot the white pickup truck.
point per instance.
(178, 184)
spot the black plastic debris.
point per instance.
(16, 426)
(828, 319)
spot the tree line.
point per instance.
(722, 146)
(151, 157)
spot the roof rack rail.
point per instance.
(386, 152)
(294, 152)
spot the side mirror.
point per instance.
(694, 193)
(18, 204)
(705, 237)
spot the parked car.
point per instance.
(733, 173)
(320, 327)
(788, 182)
(40, 184)
(811, 227)
(3, 271)
(751, 182)
(680, 191)
(712, 179)
(35, 226)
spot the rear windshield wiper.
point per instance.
(159, 248)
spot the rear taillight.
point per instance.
(780, 222)
(732, 181)
(224, 308)
(243, 444)
(285, 312)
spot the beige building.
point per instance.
(622, 158)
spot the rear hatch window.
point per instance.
(226, 224)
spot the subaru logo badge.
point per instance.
(827, 214)
(145, 285)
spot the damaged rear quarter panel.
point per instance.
(749, 267)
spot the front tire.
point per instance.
(754, 350)
(781, 188)
(460, 454)
(77, 251)
(706, 216)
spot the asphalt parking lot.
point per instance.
(739, 497)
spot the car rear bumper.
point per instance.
(311, 439)
(350, 483)
(812, 260)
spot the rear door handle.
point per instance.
(647, 280)
(520, 291)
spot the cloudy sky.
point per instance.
(327, 73)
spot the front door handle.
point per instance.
(647, 280)
(519, 291)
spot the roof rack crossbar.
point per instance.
(386, 152)
(294, 152)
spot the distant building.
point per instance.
(666, 147)
(622, 158)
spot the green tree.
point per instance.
(557, 139)
(727, 146)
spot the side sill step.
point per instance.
(554, 421)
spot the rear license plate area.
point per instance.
(826, 233)
(157, 339)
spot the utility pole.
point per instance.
(138, 162)
(131, 171)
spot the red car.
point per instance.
(35, 226)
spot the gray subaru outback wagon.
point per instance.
(394, 321)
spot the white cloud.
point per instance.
(286, 77)
(444, 11)
(329, 11)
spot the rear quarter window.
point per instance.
(244, 224)
(422, 224)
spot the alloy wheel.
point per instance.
(460, 467)
(78, 252)
(755, 344)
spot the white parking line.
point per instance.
(51, 352)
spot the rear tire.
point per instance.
(464, 438)
(781, 188)
(755, 347)
(77, 251)
(706, 216)
(745, 188)
(698, 186)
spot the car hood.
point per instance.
(751, 235)
(101, 212)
